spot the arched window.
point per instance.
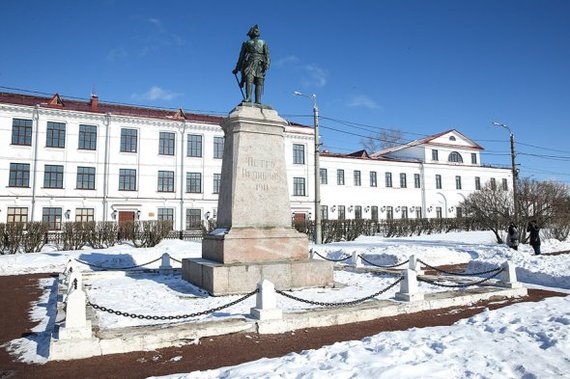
(452, 138)
(454, 156)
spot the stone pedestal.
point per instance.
(254, 239)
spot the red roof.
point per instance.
(102, 108)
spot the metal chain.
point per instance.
(459, 273)
(177, 317)
(340, 304)
(389, 266)
(461, 285)
(332, 260)
(116, 268)
(174, 259)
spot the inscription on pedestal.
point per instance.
(263, 173)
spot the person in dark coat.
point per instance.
(534, 231)
(513, 237)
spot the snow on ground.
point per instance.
(525, 340)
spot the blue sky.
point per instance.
(422, 67)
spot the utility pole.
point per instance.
(318, 230)
(513, 169)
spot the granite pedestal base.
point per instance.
(225, 279)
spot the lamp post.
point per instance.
(318, 234)
(513, 168)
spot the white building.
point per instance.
(66, 160)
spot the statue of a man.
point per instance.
(253, 62)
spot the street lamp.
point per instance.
(513, 168)
(318, 234)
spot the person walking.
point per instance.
(513, 237)
(534, 231)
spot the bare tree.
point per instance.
(385, 139)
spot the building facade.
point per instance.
(68, 160)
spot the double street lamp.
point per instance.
(513, 168)
(318, 233)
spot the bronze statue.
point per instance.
(253, 62)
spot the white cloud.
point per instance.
(156, 93)
(363, 101)
(317, 76)
(287, 61)
(117, 54)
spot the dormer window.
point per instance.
(455, 157)
(452, 138)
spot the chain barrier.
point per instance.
(333, 260)
(177, 317)
(174, 259)
(388, 266)
(459, 273)
(116, 268)
(340, 304)
(75, 283)
(460, 285)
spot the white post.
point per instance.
(311, 254)
(415, 265)
(74, 280)
(165, 267)
(356, 261)
(409, 290)
(266, 303)
(76, 325)
(509, 276)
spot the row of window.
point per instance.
(404, 212)
(55, 137)
(373, 180)
(454, 157)
(53, 216)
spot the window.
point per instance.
(217, 182)
(165, 181)
(493, 184)
(193, 182)
(21, 132)
(218, 147)
(84, 214)
(389, 213)
(194, 148)
(357, 212)
(438, 212)
(298, 186)
(404, 212)
(418, 212)
(474, 158)
(417, 181)
(52, 217)
(193, 218)
(17, 215)
(459, 212)
(53, 176)
(85, 178)
(458, 182)
(55, 136)
(298, 154)
(19, 175)
(505, 185)
(166, 143)
(324, 176)
(403, 180)
(388, 179)
(455, 157)
(324, 212)
(357, 178)
(438, 181)
(340, 177)
(129, 140)
(341, 212)
(434, 155)
(87, 137)
(477, 183)
(165, 214)
(374, 212)
(127, 179)
(452, 138)
(373, 179)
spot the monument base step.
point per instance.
(237, 278)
